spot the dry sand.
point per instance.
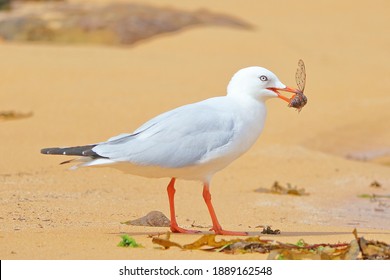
(86, 94)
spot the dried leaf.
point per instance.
(206, 240)
(353, 251)
(165, 242)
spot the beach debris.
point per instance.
(128, 241)
(165, 242)
(269, 230)
(12, 115)
(206, 242)
(372, 250)
(276, 249)
(299, 100)
(373, 197)
(358, 248)
(277, 188)
(375, 184)
(382, 202)
(304, 251)
(152, 219)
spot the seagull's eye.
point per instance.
(263, 78)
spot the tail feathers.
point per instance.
(73, 151)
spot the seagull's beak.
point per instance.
(288, 89)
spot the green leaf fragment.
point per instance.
(301, 243)
(128, 241)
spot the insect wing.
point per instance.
(300, 75)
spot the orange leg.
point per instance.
(216, 226)
(171, 196)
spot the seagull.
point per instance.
(191, 142)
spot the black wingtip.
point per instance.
(84, 151)
(46, 151)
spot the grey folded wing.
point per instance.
(181, 137)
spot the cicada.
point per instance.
(299, 100)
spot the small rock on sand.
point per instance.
(152, 219)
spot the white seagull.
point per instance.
(191, 142)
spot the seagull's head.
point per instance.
(259, 83)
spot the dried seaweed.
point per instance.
(304, 251)
(277, 188)
(372, 250)
(206, 242)
(12, 115)
(269, 230)
(277, 250)
(165, 242)
(359, 248)
(375, 184)
(152, 219)
(373, 196)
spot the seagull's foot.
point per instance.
(221, 231)
(177, 229)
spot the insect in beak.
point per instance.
(288, 89)
(298, 100)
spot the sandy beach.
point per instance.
(335, 148)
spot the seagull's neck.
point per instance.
(248, 101)
(249, 117)
(253, 112)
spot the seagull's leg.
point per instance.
(216, 226)
(171, 196)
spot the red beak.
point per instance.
(288, 89)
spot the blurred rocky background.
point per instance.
(112, 24)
